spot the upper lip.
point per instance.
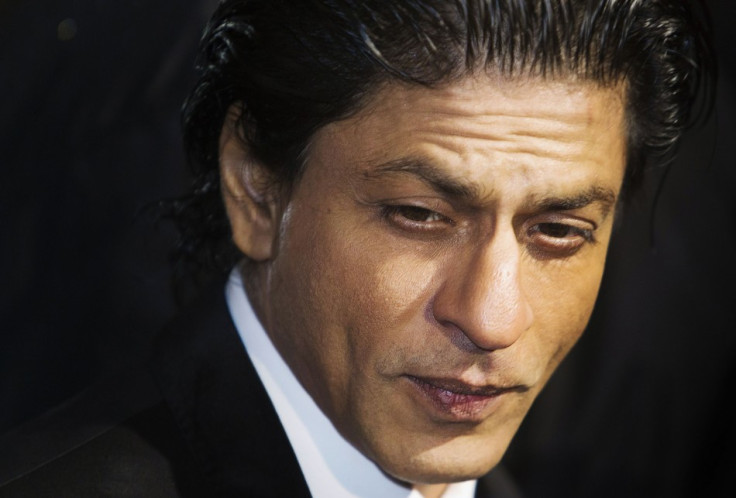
(461, 387)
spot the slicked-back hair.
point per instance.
(293, 66)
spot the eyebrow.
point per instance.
(605, 197)
(440, 181)
(429, 174)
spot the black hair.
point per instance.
(292, 66)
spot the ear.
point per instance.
(248, 193)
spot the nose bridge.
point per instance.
(485, 299)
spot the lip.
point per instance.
(456, 401)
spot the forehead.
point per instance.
(485, 132)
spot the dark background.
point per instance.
(90, 92)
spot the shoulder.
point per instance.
(195, 421)
(116, 438)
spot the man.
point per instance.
(418, 198)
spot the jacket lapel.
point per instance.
(221, 406)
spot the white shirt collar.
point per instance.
(332, 466)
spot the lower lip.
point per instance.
(456, 407)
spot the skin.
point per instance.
(440, 240)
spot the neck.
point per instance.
(431, 490)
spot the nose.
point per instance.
(482, 296)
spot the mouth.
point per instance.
(457, 401)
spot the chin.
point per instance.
(449, 462)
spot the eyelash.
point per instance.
(567, 244)
(399, 215)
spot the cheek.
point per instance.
(381, 288)
(562, 298)
(354, 295)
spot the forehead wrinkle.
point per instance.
(510, 119)
(553, 139)
(507, 152)
(519, 111)
(460, 99)
(526, 154)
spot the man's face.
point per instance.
(437, 260)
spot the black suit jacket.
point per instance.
(195, 422)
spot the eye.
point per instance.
(561, 238)
(417, 214)
(558, 230)
(415, 218)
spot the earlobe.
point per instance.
(249, 198)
